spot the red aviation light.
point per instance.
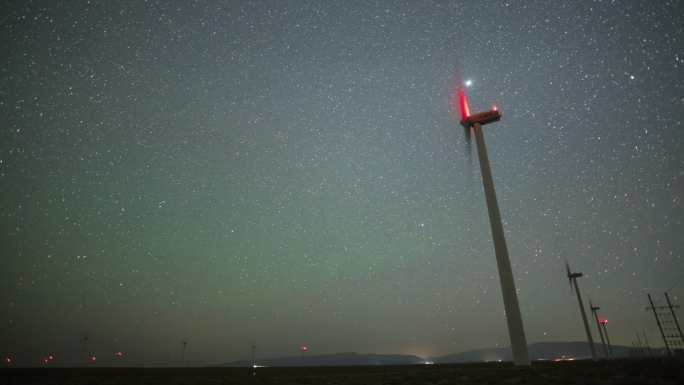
(304, 348)
(603, 321)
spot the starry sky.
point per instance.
(283, 173)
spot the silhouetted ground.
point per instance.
(635, 372)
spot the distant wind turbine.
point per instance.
(572, 278)
(594, 311)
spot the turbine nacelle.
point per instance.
(481, 118)
(592, 307)
(574, 275)
(468, 120)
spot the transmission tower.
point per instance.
(668, 324)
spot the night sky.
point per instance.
(283, 173)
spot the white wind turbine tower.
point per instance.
(572, 277)
(472, 123)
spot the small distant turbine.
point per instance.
(594, 311)
(604, 323)
(254, 365)
(184, 345)
(85, 354)
(572, 278)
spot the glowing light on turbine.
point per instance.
(93, 359)
(119, 354)
(463, 107)
(8, 360)
(303, 348)
(603, 321)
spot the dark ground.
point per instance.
(614, 372)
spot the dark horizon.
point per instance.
(540, 351)
(292, 173)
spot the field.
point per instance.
(614, 372)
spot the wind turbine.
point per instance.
(184, 346)
(254, 365)
(604, 322)
(85, 353)
(472, 124)
(572, 278)
(594, 311)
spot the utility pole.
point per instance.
(660, 326)
(674, 318)
(648, 346)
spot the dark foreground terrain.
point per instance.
(616, 372)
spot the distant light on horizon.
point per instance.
(468, 82)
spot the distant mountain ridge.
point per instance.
(537, 351)
(337, 359)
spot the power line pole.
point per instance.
(639, 344)
(674, 318)
(648, 347)
(660, 326)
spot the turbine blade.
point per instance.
(469, 148)
(463, 107)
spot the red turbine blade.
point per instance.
(463, 104)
